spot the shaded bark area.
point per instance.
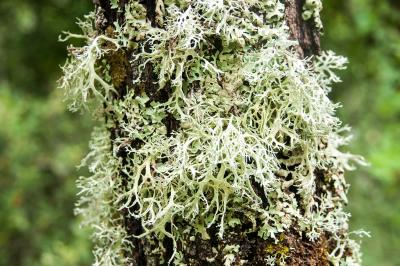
(302, 31)
(253, 250)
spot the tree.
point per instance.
(218, 144)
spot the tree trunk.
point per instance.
(301, 30)
(293, 221)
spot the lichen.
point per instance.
(312, 9)
(254, 127)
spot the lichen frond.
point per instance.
(81, 78)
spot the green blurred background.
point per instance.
(41, 143)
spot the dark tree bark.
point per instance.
(254, 250)
(303, 31)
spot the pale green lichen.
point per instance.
(249, 111)
(96, 203)
(312, 9)
(230, 251)
(82, 79)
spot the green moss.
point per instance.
(279, 251)
(119, 65)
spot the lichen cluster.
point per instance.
(312, 9)
(248, 112)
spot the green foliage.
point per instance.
(37, 187)
(368, 33)
(371, 86)
(28, 46)
(40, 143)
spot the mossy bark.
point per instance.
(292, 247)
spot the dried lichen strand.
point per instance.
(220, 145)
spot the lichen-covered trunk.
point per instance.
(219, 145)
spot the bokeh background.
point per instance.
(41, 143)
